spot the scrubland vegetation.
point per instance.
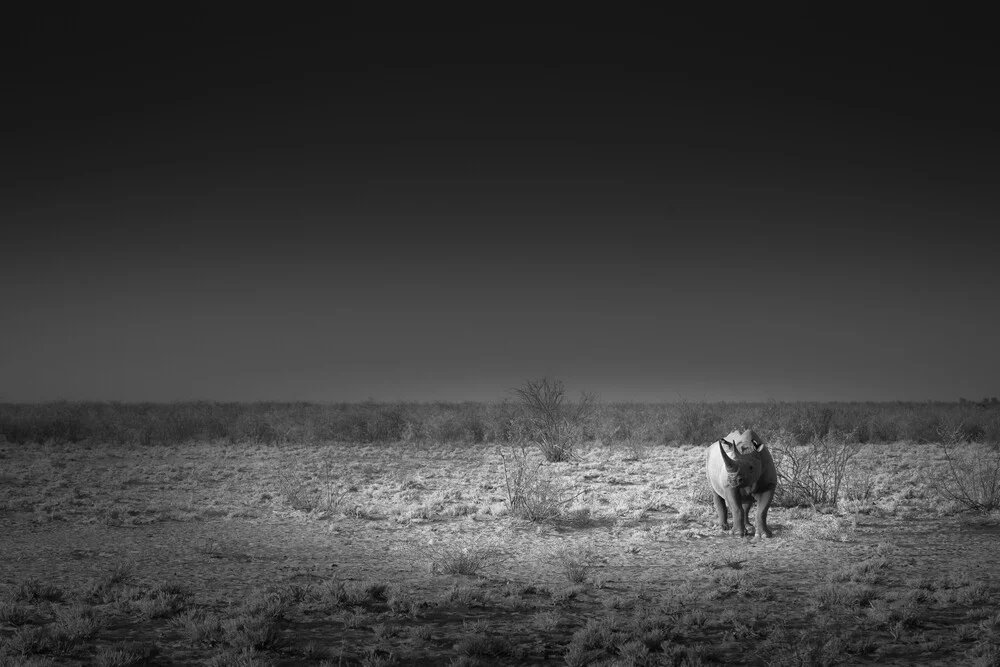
(475, 423)
(536, 530)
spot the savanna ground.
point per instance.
(247, 551)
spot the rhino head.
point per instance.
(744, 468)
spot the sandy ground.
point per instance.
(228, 523)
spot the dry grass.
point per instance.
(321, 552)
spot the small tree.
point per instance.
(555, 424)
(814, 474)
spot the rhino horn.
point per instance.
(730, 464)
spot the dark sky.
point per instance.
(398, 207)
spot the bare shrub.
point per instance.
(532, 494)
(574, 567)
(297, 492)
(466, 559)
(556, 425)
(975, 473)
(318, 491)
(813, 474)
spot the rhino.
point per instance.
(740, 470)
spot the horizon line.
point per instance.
(432, 401)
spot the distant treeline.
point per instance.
(506, 421)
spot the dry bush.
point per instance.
(465, 559)
(532, 494)
(556, 426)
(574, 567)
(974, 480)
(813, 474)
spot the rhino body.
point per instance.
(740, 471)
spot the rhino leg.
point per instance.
(720, 507)
(739, 516)
(747, 504)
(763, 503)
